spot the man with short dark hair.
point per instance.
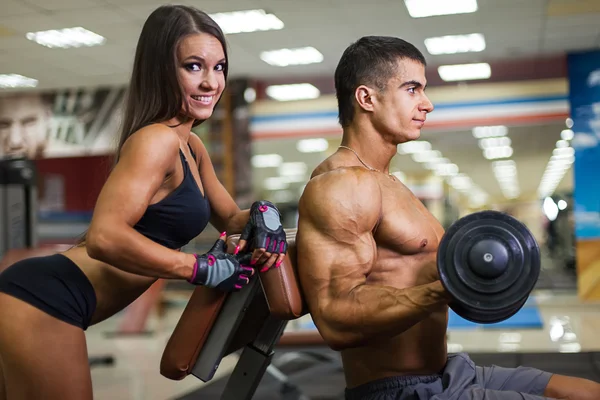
(367, 249)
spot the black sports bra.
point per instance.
(179, 217)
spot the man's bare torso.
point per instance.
(407, 239)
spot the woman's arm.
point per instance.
(146, 159)
(225, 214)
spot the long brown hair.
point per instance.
(154, 91)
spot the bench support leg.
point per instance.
(253, 362)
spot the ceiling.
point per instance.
(526, 39)
(524, 30)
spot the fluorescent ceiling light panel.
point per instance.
(413, 147)
(494, 153)
(312, 145)
(563, 151)
(481, 132)
(426, 156)
(292, 169)
(16, 81)
(275, 183)
(287, 57)
(446, 169)
(562, 204)
(430, 8)
(66, 38)
(298, 91)
(472, 43)
(461, 182)
(464, 72)
(567, 134)
(247, 21)
(490, 142)
(266, 160)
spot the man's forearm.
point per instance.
(370, 312)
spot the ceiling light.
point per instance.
(446, 169)
(294, 178)
(413, 147)
(478, 199)
(481, 132)
(247, 21)
(429, 8)
(504, 164)
(453, 44)
(66, 38)
(275, 183)
(16, 81)
(563, 151)
(286, 57)
(463, 72)
(292, 169)
(432, 163)
(498, 152)
(312, 145)
(569, 123)
(426, 156)
(550, 208)
(266, 160)
(490, 142)
(298, 91)
(461, 182)
(562, 205)
(250, 95)
(561, 160)
(567, 134)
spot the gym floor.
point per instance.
(568, 327)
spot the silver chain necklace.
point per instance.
(365, 164)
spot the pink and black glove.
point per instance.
(217, 269)
(265, 235)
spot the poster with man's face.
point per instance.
(24, 120)
(73, 122)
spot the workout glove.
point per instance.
(264, 229)
(217, 269)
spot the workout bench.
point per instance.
(215, 324)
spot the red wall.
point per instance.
(83, 178)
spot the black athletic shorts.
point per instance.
(53, 284)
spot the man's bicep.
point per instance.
(335, 250)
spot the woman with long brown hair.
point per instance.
(161, 193)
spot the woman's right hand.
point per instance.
(218, 269)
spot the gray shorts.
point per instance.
(461, 379)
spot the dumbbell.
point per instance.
(489, 262)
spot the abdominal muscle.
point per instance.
(421, 350)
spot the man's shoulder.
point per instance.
(348, 177)
(348, 188)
